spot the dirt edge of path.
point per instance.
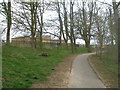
(60, 76)
(97, 72)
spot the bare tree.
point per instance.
(40, 20)
(7, 13)
(111, 26)
(100, 23)
(72, 36)
(60, 21)
(33, 9)
(66, 23)
(26, 20)
(85, 21)
(116, 12)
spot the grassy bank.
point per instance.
(23, 66)
(107, 68)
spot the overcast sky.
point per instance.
(50, 14)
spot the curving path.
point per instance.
(82, 75)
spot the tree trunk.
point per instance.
(65, 23)
(72, 45)
(9, 21)
(41, 39)
(33, 41)
(41, 24)
(41, 30)
(60, 38)
(61, 24)
(119, 37)
(35, 17)
(115, 9)
(72, 37)
(32, 24)
(87, 44)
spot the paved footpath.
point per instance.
(82, 75)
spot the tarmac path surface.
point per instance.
(82, 75)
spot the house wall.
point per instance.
(26, 41)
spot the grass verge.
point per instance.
(23, 66)
(107, 69)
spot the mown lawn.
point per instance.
(23, 66)
(107, 67)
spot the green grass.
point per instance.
(22, 66)
(107, 67)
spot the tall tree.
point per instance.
(25, 20)
(7, 13)
(85, 22)
(9, 21)
(33, 23)
(110, 25)
(40, 20)
(72, 36)
(100, 23)
(60, 21)
(65, 23)
(64, 33)
(116, 12)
